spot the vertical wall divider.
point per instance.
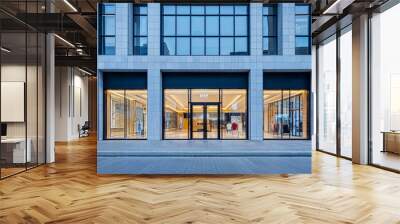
(317, 97)
(338, 98)
(0, 96)
(26, 86)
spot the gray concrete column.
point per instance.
(256, 104)
(153, 10)
(154, 104)
(286, 28)
(122, 29)
(360, 90)
(50, 98)
(256, 19)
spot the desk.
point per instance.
(13, 150)
(391, 141)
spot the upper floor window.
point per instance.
(303, 29)
(107, 28)
(270, 27)
(205, 29)
(140, 29)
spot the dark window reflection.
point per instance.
(303, 31)
(270, 34)
(140, 29)
(107, 29)
(285, 114)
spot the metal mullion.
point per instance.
(37, 95)
(176, 32)
(280, 126)
(317, 97)
(0, 88)
(190, 115)
(338, 98)
(219, 113)
(290, 116)
(26, 88)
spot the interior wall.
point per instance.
(71, 102)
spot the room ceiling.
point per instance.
(75, 21)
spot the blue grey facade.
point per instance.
(156, 155)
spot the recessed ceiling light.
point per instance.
(70, 5)
(64, 40)
(5, 50)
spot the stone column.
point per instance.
(256, 19)
(154, 104)
(256, 104)
(286, 28)
(153, 10)
(122, 29)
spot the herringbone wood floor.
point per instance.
(69, 191)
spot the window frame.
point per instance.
(134, 35)
(274, 6)
(309, 29)
(204, 36)
(102, 36)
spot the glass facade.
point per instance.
(327, 92)
(205, 114)
(270, 29)
(205, 29)
(286, 114)
(303, 29)
(106, 29)
(385, 89)
(346, 75)
(22, 93)
(126, 114)
(140, 29)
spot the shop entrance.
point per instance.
(205, 120)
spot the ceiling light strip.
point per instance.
(64, 40)
(70, 5)
(5, 50)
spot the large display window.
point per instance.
(285, 114)
(327, 96)
(205, 114)
(385, 89)
(126, 114)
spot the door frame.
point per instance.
(205, 120)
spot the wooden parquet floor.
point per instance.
(70, 191)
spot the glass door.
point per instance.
(205, 121)
(212, 121)
(198, 123)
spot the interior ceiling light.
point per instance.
(64, 40)
(5, 50)
(70, 5)
(337, 7)
(84, 71)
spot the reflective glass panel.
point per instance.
(169, 46)
(176, 114)
(183, 46)
(234, 114)
(183, 25)
(197, 46)
(227, 47)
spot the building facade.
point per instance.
(204, 88)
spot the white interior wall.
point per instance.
(71, 87)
